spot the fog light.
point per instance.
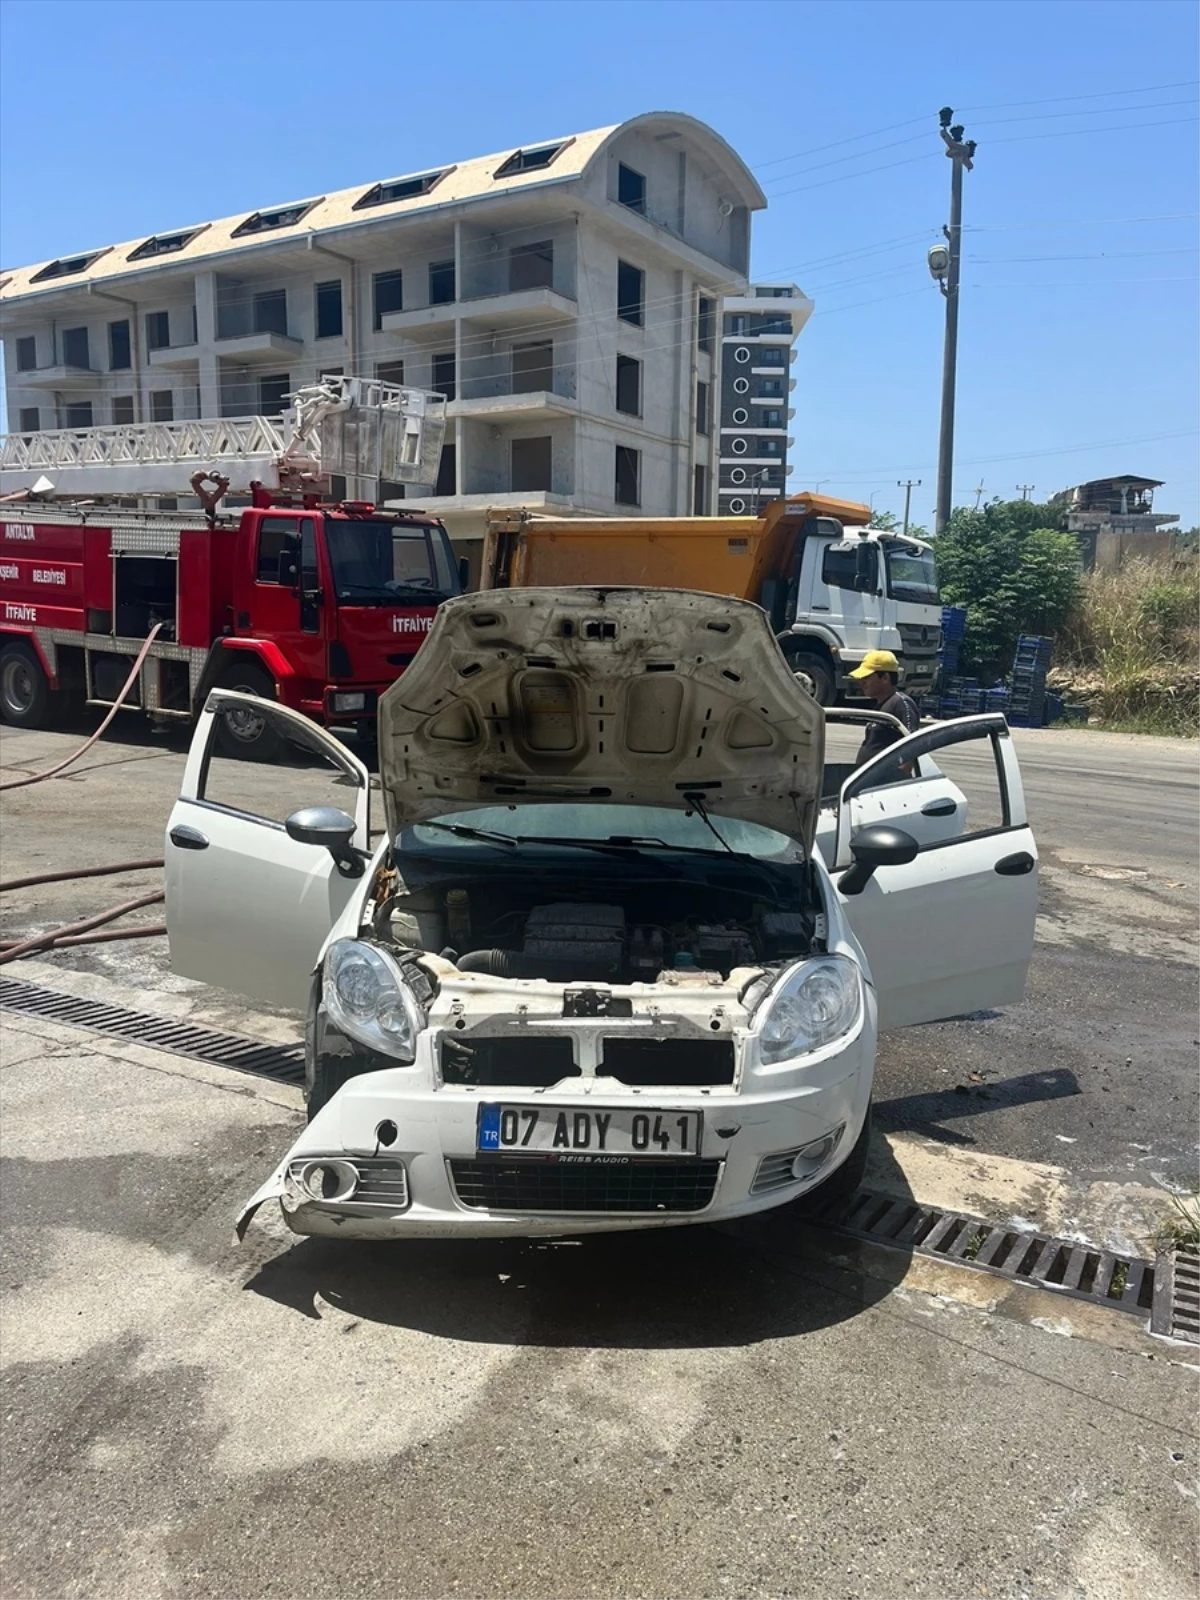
(350, 702)
(810, 1158)
(327, 1178)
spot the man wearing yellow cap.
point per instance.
(878, 677)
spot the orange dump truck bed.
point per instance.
(721, 555)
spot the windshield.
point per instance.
(389, 563)
(648, 828)
(911, 573)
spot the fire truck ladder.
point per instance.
(357, 427)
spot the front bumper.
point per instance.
(447, 1190)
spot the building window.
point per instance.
(447, 475)
(401, 188)
(531, 266)
(631, 293)
(740, 416)
(65, 267)
(31, 419)
(532, 367)
(741, 386)
(270, 312)
(740, 447)
(742, 354)
(772, 417)
(163, 244)
(122, 409)
(273, 393)
(706, 324)
(158, 330)
(79, 415)
(771, 386)
(529, 160)
(627, 490)
(387, 490)
(329, 309)
(265, 221)
(770, 447)
(76, 352)
(441, 283)
(331, 372)
(629, 386)
(737, 506)
(769, 356)
(162, 406)
(389, 295)
(699, 492)
(390, 372)
(337, 487)
(530, 464)
(701, 408)
(738, 325)
(26, 354)
(631, 189)
(119, 355)
(444, 374)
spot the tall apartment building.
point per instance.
(563, 296)
(758, 331)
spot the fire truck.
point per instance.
(316, 604)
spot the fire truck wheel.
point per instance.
(241, 733)
(26, 699)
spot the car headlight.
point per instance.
(814, 1003)
(367, 998)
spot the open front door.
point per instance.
(248, 907)
(952, 931)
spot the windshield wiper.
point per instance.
(483, 835)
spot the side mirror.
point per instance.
(865, 568)
(464, 573)
(877, 846)
(334, 829)
(289, 568)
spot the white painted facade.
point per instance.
(523, 329)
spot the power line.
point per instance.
(1095, 94)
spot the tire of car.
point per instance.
(26, 699)
(832, 1198)
(240, 733)
(808, 664)
(328, 1078)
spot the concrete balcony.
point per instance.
(61, 376)
(251, 348)
(175, 357)
(425, 322)
(517, 407)
(520, 308)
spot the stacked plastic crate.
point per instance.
(954, 627)
(1030, 666)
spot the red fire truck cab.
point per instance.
(318, 606)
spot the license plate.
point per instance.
(587, 1134)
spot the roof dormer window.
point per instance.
(66, 267)
(267, 221)
(402, 188)
(530, 160)
(164, 244)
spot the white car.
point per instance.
(596, 974)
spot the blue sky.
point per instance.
(1079, 332)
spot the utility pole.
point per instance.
(1026, 489)
(945, 264)
(908, 485)
(979, 494)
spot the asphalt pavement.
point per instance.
(697, 1412)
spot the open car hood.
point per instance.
(639, 696)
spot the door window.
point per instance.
(968, 774)
(259, 790)
(278, 551)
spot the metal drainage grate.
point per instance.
(1121, 1282)
(280, 1061)
(1176, 1312)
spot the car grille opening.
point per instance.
(381, 1182)
(536, 1062)
(551, 1186)
(669, 1063)
(774, 1172)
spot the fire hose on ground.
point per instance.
(82, 932)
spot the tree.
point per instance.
(1014, 570)
(889, 522)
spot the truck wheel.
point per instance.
(240, 733)
(26, 698)
(808, 664)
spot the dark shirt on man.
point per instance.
(881, 734)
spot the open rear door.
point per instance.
(952, 931)
(249, 907)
